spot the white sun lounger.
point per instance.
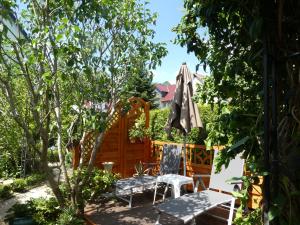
(187, 207)
(169, 164)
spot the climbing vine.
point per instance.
(252, 49)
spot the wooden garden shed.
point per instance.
(116, 146)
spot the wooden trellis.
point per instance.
(116, 146)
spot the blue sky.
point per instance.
(169, 15)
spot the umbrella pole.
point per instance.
(184, 154)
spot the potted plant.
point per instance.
(108, 166)
(139, 131)
(139, 169)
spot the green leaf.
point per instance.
(59, 37)
(65, 20)
(273, 213)
(225, 110)
(239, 143)
(237, 194)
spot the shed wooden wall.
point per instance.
(116, 146)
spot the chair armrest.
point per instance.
(201, 175)
(235, 182)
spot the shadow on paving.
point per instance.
(112, 212)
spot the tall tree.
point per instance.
(140, 85)
(249, 44)
(74, 52)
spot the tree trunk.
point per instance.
(59, 135)
(53, 184)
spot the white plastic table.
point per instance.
(176, 181)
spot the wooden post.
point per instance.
(147, 142)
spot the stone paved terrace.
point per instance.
(116, 212)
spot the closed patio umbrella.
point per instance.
(184, 113)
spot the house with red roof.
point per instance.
(165, 94)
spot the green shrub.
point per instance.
(69, 217)
(19, 185)
(19, 210)
(5, 191)
(63, 187)
(159, 118)
(69, 159)
(100, 181)
(53, 155)
(44, 211)
(35, 178)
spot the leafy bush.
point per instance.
(63, 187)
(100, 181)
(10, 144)
(22, 184)
(159, 118)
(69, 217)
(34, 179)
(19, 210)
(5, 191)
(44, 211)
(138, 130)
(53, 155)
(19, 185)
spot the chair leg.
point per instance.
(130, 198)
(229, 222)
(193, 221)
(165, 192)
(155, 191)
(157, 219)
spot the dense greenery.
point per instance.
(159, 118)
(21, 185)
(245, 40)
(5, 191)
(45, 211)
(10, 145)
(139, 131)
(99, 182)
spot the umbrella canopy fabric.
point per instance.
(184, 113)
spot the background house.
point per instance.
(165, 94)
